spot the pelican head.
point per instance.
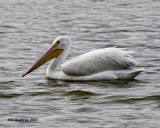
(60, 47)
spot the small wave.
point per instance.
(39, 93)
(133, 100)
(13, 95)
(80, 93)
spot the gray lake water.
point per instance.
(27, 29)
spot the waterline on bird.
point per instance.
(97, 65)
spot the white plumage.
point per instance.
(101, 64)
(98, 61)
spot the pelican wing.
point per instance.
(98, 61)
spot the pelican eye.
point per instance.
(57, 43)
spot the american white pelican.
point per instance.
(101, 64)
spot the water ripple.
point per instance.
(27, 28)
(80, 93)
(140, 99)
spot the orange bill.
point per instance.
(51, 53)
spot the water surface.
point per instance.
(27, 29)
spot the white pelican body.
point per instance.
(101, 64)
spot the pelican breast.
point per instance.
(98, 61)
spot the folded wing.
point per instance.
(98, 61)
